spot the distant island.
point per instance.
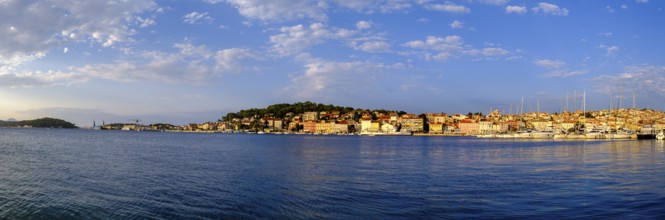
(39, 123)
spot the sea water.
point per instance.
(91, 174)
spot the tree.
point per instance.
(425, 123)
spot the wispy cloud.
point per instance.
(645, 79)
(515, 9)
(550, 9)
(294, 39)
(609, 50)
(552, 64)
(34, 28)
(457, 24)
(324, 78)
(197, 17)
(40, 79)
(364, 25)
(451, 46)
(191, 64)
(449, 7)
(493, 2)
(557, 68)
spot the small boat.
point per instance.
(660, 135)
(486, 136)
(542, 134)
(595, 134)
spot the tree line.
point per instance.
(39, 123)
(281, 110)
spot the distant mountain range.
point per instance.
(39, 123)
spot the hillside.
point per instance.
(39, 123)
(280, 110)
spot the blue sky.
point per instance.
(194, 61)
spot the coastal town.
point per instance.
(618, 123)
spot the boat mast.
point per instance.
(620, 91)
(567, 108)
(575, 100)
(610, 109)
(633, 99)
(522, 106)
(584, 106)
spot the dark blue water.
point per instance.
(85, 174)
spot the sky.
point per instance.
(193, 61)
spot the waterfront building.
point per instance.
(500, 127)
(366, 122)
(436, 128)
(323, 127)
(309, 126)
(375, 126)
(437, 118)
(412, 123)
(485, 127)
(310, 116)
(542, 125)
(341, 127)
(388, 128)
(393, 117)
(469, 127)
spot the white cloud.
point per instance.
(609, 9)
(295, 39)
(606, 34)
(191, 64)
(323, 78)
(448, 43)
(643, 79)
(279, 10)
(557, 69)
(371, 6)
(562, 73)
(361, 25)
(550, 9)
(457, 24)
(553, 64)
(643, 1)
(357, 5)
(65, 50)
(624, 7)
(197, 17)
(449, 7)
(229, 59)
(40, 79)
(609, 50)
(13, 62)
(36, 27)
(441, 49)
(371, 45)
(488, 52)
(145, 22)
(515, 9)
(493, 2)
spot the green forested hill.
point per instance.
(280, 110)
(39, 123)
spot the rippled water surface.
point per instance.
(84, 174)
